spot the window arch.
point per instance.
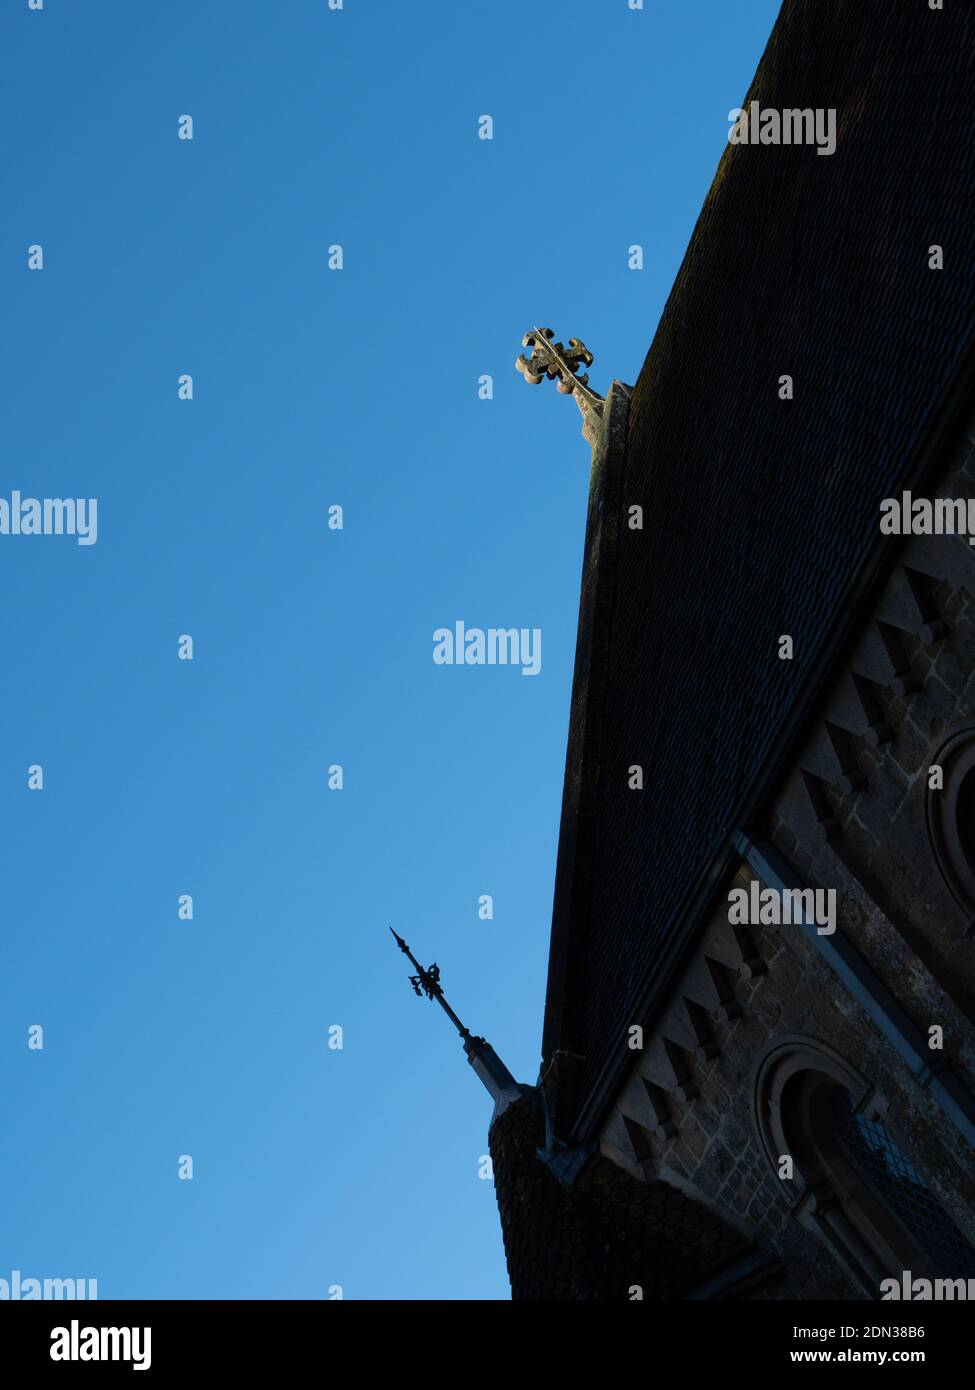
(951, 819)
(857, 1188)
(965, 817)
(879, 1159)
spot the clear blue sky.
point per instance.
(311, 1167)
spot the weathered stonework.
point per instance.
(785, 1083)
(851, 814)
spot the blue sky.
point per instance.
(312, 1167)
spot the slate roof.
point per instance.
(606, 1233)
(758, 511)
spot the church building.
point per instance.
(758, 1058)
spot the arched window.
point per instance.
(881, 1162)
(951, 820)
(965, 817)
(856, 1186)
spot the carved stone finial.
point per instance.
(560, 363)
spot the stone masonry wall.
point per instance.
(852, 815)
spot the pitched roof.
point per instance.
(604, 1234)
(758, 512)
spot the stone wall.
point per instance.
(855, 814)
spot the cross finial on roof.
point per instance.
(561, 363)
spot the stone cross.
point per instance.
(561, 363)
